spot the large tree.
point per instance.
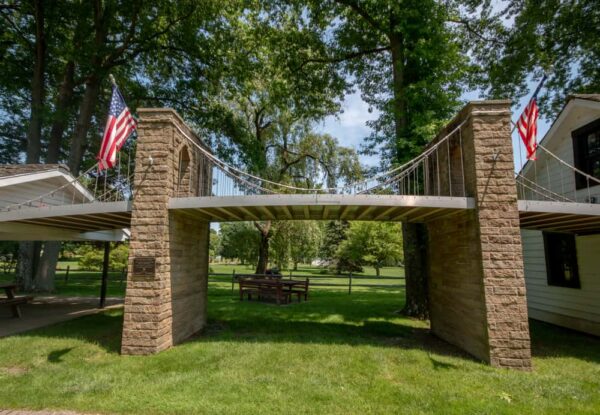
(68, 49)
(408, 60)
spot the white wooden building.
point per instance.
(21, 186)
(562, 270)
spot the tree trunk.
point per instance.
(29, 251)
(295, 266)
(47, 269)
(86, 110)
(44, 277)
(377, 271)
(416, 270)
(263, 249)
(61, 113)
(399, 101)
(34, 134)
(415, 236)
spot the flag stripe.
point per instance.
(119, 126)
(527, 127)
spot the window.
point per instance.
(561, 259)
(586, 148)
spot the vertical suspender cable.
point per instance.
(462, 163)
(449, 167)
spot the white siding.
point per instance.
(571, 307)
(548, 172)
(23, 192)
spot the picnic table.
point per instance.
(279, 289)
(12, 300)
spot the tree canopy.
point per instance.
(372, 243)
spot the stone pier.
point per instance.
(165, 300)
(476, 277)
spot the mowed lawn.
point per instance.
(87, 283)
(336, 354)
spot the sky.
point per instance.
(350, 126)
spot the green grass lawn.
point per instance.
(87, 283)
(336, 354)
(305, 269)
(82, 283)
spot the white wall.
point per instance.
(56, 191)
(577, 308)
(548, 172)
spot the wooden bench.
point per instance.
(275, 290)
(248, 287)
(263, 288)
(12, 300)
(300, 290)
(14, 303)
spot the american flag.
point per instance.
(527, 126)
(119, 126)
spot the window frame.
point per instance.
(580, 152)
(552, 274)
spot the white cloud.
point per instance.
(350, 126)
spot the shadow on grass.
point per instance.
(103, 329)
(56, 355)
(328, 318)
(371, 333)
(549, 341)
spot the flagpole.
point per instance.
(114, 84)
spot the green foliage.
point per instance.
(214, 243)
(9, 251)
(91, 257)
(333, 234)
(239, 240)
(559, 37)
(295, 242)
(68, 250)
(408, 59)
(372, 243)
(119, 256)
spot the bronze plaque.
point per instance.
(144, 266)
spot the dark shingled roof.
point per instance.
(18, 169)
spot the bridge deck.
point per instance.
(102, 220)
(321, 207)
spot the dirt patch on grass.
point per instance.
(14, 370)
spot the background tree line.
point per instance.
(337, 245)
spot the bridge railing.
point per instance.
(438, 171)
(551, 178)
(91, 186)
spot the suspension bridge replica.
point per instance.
(463, 187)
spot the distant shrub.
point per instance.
(91, 257)
(119, 257)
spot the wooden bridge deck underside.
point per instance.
(98, 220)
